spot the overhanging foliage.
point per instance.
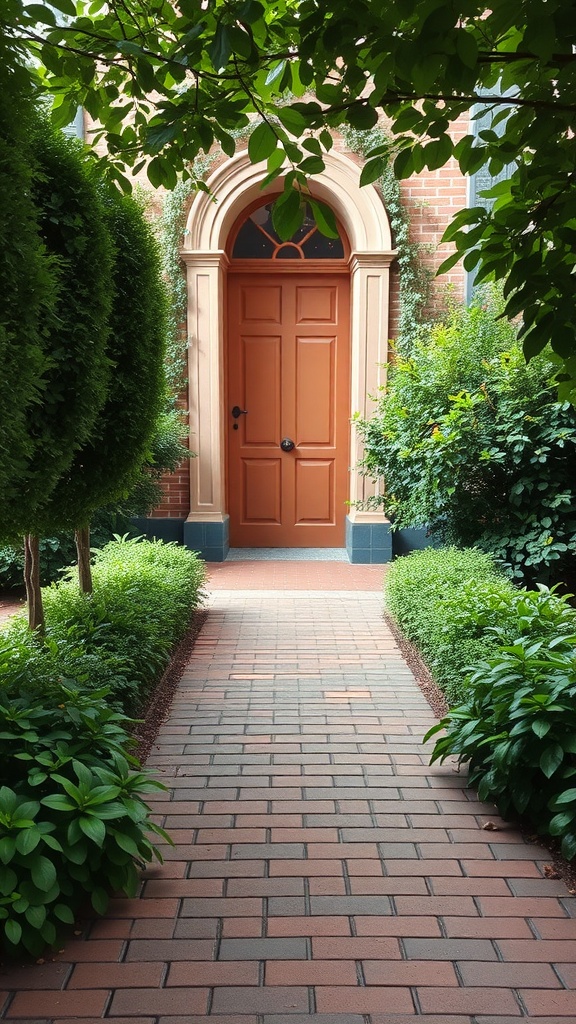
(164, 84)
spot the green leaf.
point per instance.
(93, 828)
(38, 12)
(262, 143)
(567, 797)
(8, 881)
(541, 727)
(569, 846)
(551, 759)
(63, 913)
(28, 840)
(13, 932)
(466, 48)
(325, 219)
(362, 116)
(36, 916)
(287, 214)
(372, 170)
(221, 48)
(7, 849)
(66, 6)
(293, 120)
(404, 164)
(43, 872)
(100, 900)
(58, 802)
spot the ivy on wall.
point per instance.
(415, 278)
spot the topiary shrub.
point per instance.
(427, 594)
(145, 593)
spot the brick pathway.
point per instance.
(320, 867)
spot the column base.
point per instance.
(210, 539)
(159, 528)
(368, 543)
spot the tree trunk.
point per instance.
(82, 538)
(32, 581)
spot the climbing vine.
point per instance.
(171, 230)
(415, 278)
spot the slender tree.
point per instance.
(71, 219)
(108, 464)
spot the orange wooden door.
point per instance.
(288, 367)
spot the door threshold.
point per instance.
(287, 555)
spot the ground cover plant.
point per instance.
(473, 443)
(73, 820)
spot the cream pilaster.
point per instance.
(205, 273)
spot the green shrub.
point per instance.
(458, 609)
(471, 441)
(73, 822)
(517, 732)
(443, 600)
(123, 635)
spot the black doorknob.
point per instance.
(287, 444)
(237, 411)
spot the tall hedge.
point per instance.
(27, 287)
(108, 464)
(72, 223)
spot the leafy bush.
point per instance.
(458, 609)
(443, 600)
(517, 732)
(123, 635)
(472, 441)
(73, 822)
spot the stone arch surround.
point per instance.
(233, 186)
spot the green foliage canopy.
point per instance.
(166, 83)
(472, 441)
(107, 466)
(75, 335)
(28, 281)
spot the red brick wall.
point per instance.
(176, 486)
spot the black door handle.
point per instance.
(287, 444)
(237, 412)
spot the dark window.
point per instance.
(258, 240)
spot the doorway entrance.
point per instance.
(288, 409)
(213, 261)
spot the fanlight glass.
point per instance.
(258, 240)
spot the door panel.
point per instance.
(260, 360)
(288, 367)
(314, 491)
(315, 367)
(261, 491)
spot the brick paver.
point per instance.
(320, 866)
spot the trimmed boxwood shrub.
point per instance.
(458, 608)
(145, 593)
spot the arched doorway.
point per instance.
(213, 224)
(288, 384)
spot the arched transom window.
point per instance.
(257, 239)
